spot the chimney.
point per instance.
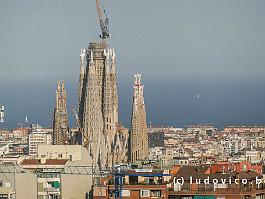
(43, 160)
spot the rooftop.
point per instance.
(45, 162)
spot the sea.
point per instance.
(170, 100)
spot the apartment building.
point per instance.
(38, 137)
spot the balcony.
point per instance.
(52, 189)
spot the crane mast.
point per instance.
(103, 22)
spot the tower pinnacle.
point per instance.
(138, 149)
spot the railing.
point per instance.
(52, 189)
(111, 182)
(80, 170)
(48, 175)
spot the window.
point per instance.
(53, 196)
(70, 158)
(112, 193)
(155, 193)
(40, 187)
(145, 193)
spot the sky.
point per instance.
(40, 43)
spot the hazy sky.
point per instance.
(43, 38)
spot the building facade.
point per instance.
(138, 134)
(58, 172)
(38, 137)
(60, 121)
(20, 133)
(156, 139)
(98, 103)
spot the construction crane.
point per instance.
(120, 171)
(103, 22)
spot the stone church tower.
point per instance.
(138, 143)
(60, 121)
(98, 102)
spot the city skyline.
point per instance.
(193, 46)
(189, 126)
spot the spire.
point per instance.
(113, 61)
(138, 89)
(60, 120)
(91, 56)
(58, 95)
(137, 79)
(63, 88)
(83, 55)
(98, 103)
(138, 133)
(58, 86)
(82, 70)
(63, 93)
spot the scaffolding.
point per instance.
(120, 171)
(79, 170)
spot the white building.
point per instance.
(4, 149)
(59, 172)
(201, 129)
(230, 146)
(76, 154)
(76, 180)
(155, 152)
(253, 156)
(38, 137)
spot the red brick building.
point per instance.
(216, 181)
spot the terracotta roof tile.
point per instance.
(193, 169)
(47, 162)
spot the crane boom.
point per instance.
(103, 22)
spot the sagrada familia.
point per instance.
(98, 126)
(60, 122)
(98, 106)
(100, 132)
(138, 142)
